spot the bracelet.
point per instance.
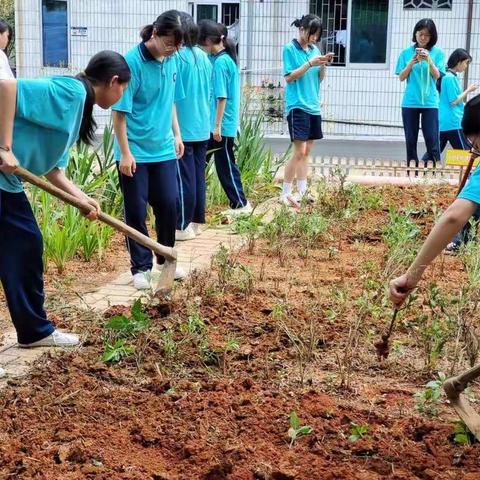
(308, 61)
(5, 148)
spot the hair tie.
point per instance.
(222, 37)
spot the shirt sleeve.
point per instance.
(54, 103)
(221, 79)
(401, 63)
(439, 61)
(289, 64)
(450, 86)
(471, 191)
(5, 70)
(179, 87)
(63, 162)
(125, 104)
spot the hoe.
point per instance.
(165, 281)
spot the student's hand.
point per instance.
(471, 88)
(318, 60)
(415, 59)
(92, 209)
(179, 147)
(216, 134)
(127, 165)
(400, 288)
(8, 162)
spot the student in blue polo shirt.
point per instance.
(455, 217)
(41, 120)
(148, 140)
(421, 65)
(193, 117)
(304, 70)
(224, 111)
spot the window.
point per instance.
(430, 4)
(230, 13)
(226, 13)
(207, 12)
(355, 30)
(55, 33)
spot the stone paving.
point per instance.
(194, 254)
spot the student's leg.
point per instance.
(302, 169)
(162, 196)
(21, 268)
(228, 172)
(411, 125)
(431, 133)
(200, 155)
(135, 198)
(187, 188)
(457, 139)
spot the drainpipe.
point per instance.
(468, 42)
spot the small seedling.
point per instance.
(357, 431)
(427, 399)
(461, 434)
(297, 430)
(115, 352)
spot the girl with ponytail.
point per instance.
(148, 140)
(304, 70)
(193, 112)
(41, 119)
(224, 111)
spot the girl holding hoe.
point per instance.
(454, 218)
(41, 119)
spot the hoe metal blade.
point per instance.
(453, 388)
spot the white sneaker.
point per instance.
(180, 273)
(239, 211)
(289, 201)
(56, 339)
(183, 235)
(3, 373)
(306, 197)
(141, 280)
(196, 227)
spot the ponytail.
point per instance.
(216, 33)
(101, 68)
(312, 24)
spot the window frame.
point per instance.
(69, 49)
(218, 3)
(369, 66)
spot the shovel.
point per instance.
(167, 277)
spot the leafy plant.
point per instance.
(427, 400)
(461, 434)
(297, 430)
(116, 351)
(357, 431)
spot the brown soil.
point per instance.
(158, 416)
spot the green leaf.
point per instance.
(294, 420)
(353, 438)
(119, 322)
(137, 313)
(306, 430)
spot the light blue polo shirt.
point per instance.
(148, 105)
(421, 90)
(225, 84)
(303, 93)
(450, 116)
(471, 191)
(194, 110)
(47, 123)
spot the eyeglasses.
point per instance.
(423, 35)
(473, 148)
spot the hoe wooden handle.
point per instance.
(473, 156)
(168, 252)
(456, 385)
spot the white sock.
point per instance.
(286, 189)
(302, 186)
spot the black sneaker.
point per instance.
(452, 248)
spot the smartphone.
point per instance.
(420, 51)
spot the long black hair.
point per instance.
(471, 117)
(167, 24)
(5, 27)
(457, 56)
(101, 68)
(428, 24)
(310, 23)
(216, 33)
(190, 30)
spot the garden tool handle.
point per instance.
(456, 385)
(168, 252)
(473, 156)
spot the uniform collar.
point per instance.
(145, 53)
(219, 54)
(452, 71)
(297, 44)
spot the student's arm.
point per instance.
(316, 61)
(127, 162)
(405, 72)
(434, 71)
(463, 95)
(58, 178)
(322, 73)
(450, 223)
(8, 102)
(179, 147)
(220, 111)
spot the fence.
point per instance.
(361, 96)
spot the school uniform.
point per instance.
(226, 84)
(302, 97)
(193, 112)
(148, 106)
(421, 100)
(47, 123)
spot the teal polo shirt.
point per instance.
(193, 111)
(471, 191)
(46, 125)
(303, 93)
(148, 106)
(225, 84)
(450, 116)
(421, 90)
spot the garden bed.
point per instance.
(205, 386)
